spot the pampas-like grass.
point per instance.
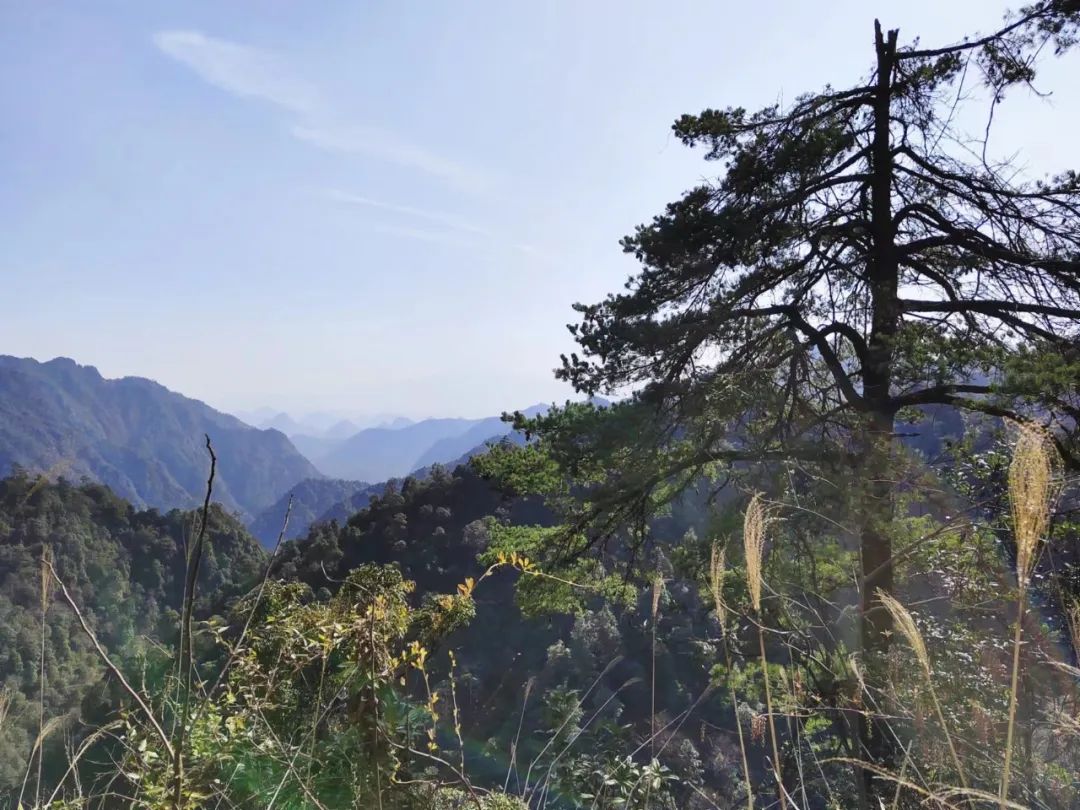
(754, 524)
(1032, 489)
(717, 562)
(905, 624)
(1033, 483)
(716, 585)
(754, 543)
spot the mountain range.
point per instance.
(393, 449)
(138, 437)
(319, 424)
(377, 454)
(147, 444)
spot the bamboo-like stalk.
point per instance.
(754, 543)
(1032, 488)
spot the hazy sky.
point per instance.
(382, 206)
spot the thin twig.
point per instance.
(193, 561)
(110, 665)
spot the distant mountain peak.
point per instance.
(138, 437)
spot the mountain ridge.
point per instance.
(312, 500)
(142, 439)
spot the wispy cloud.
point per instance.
(424, 235)
(240, 70)
(457, 232)
(438, 217)
(374, 142)
(253, 73)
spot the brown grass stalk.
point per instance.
(754, 524)
(905, 624)
(46, 592)
(1032, 489)
(104, 656)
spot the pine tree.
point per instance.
(858, 255)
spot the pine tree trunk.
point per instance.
(877, 512)
(876, 741)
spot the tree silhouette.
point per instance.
(858, 255)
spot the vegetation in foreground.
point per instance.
(740, 587)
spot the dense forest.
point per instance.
(125, 570)
(821, 549)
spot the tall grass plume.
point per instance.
(1033, 485)
(717, 570)
(905, 625)
(755, 522)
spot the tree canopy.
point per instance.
(859, 258)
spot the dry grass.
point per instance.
(905, 624)
(5, 706)
(717, 570)
(754, 524)
(46, 586)
(657, 590)
(1033, 487)
(717, 562)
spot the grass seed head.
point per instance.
(754, 542)
(905, 623)
(716, 582)
(1032, 490)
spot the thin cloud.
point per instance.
(485, 237)
(252, 73)
(365, 140)
(438, 217)
(238, 69)
(451, 239)
(423, 235)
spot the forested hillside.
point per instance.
(125, 570)
(141, 439)
(558, 665)
(552, 654)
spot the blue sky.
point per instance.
(379, 207)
